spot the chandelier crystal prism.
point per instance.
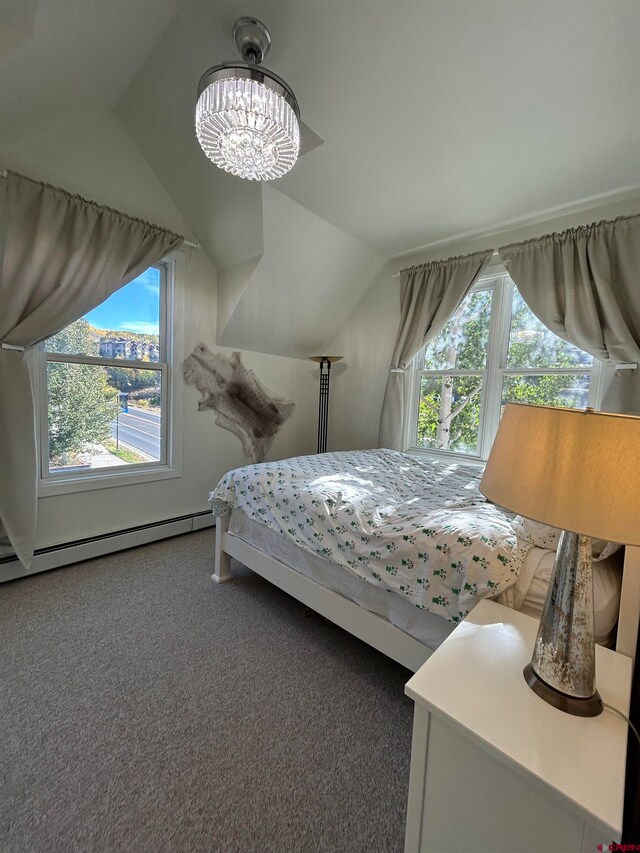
(246, 116)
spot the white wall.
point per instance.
(358, 381)
(99, 160)
(310, 276)
(367, 338)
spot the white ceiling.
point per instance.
(64, 59)
(439, 118)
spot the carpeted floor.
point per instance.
(144, 708)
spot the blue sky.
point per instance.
(133, 308)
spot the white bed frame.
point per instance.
(367, 626)
(373, 629)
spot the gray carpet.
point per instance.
(144, 708)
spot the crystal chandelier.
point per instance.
(247, 116)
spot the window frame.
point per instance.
(496, 279)
(169, 466)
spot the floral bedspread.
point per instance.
(417, 527)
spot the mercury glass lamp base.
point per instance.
(589, 707)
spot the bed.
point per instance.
(395, 548)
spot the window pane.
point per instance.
(126, 325)
(531, 344)
(571, 391)
(449, 413)
(100, 417)
(463, 341)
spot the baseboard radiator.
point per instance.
(57, 556)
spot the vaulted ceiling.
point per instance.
(439, 118)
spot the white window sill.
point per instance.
(104, 480)
(446, 455)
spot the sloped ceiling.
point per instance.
(286, 278)
(446, 117)
(440, 119)
(158, 111)
(308, 280)
(63, 59)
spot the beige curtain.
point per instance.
(429, 294)
(584, 285)
(61, 257)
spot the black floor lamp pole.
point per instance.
(323, 410)
(324, 362)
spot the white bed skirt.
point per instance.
(427, 628)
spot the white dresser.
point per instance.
(494, 767)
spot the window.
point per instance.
(492, 351)
(105, 388)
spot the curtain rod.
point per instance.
(495, 255)
(192, 245)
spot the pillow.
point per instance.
(544, 536)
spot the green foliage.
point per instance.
(123, 452)
(533, 345)
(546, 390)
(80, 338)
(449, 407)
(81, 402)
(131, 379)
(463, 341)
(463, 428)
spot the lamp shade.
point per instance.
(572, 469)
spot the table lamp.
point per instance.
(578, 471)
(325, 362)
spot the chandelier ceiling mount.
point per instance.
(252, 39)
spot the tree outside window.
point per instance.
(104, 379)
(492, 351)
(81, 402)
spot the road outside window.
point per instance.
(104, 385)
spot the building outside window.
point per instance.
(492, 351)
(104, 385)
